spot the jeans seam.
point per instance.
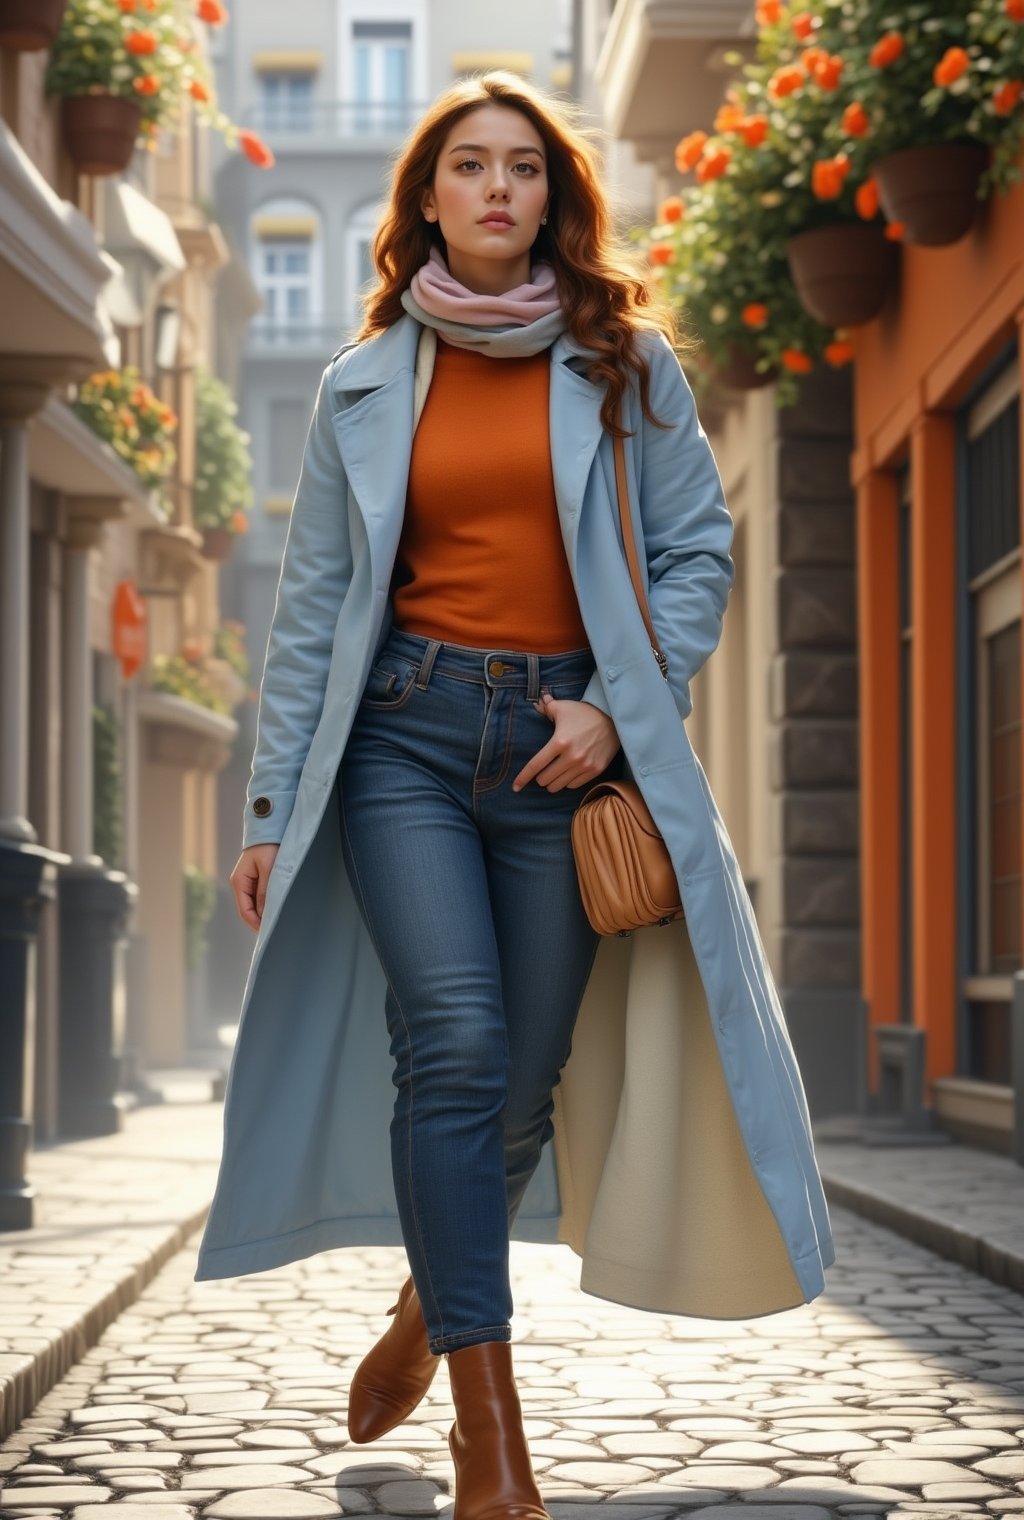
(409, 1047)
(481, 789)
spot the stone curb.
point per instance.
(966, 1247)
(26, 1377)
(111, 1211)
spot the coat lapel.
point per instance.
(373, 429)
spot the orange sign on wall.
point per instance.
(128, 621)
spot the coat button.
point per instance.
(262, 806)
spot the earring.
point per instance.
(543, 221)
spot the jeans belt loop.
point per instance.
(427, 664)
(533, 678)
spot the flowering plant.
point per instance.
(183, 675)
(121, 408)
(223, 488)
(732, 286)
(910, 74)
(149, 51)
(229, 644)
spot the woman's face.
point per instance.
(489, 193)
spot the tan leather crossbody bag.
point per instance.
(625, 874)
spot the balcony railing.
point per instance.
(309, 334)
(343, 120)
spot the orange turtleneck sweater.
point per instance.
(481, 559)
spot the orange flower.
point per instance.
(713, 165)
(827, 73)
(954, 62)
(753, 130)
(769, 12)
(865, 199)
(198, 91)
(168, 417)
(828, 176)
(660, 253)
(785, 81)
(728, 117)
(146, 84)
(838, 353)
(1007, 95)
(149, 5)
(239, 523)
(671, 210)
(755, 314)
(140, 43)
(191, 650)
(803, 24)
(1015, 10)
(796, 360)
(212, 12)
(810, 59)
(689, 150)
(895, 231)
(128, 6)
(256, 150)
(855, 120)
(886, 50)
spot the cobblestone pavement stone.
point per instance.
(900, 1391)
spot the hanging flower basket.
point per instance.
(26, 26)
(932, 190)
(738, 372)
(100, 131)
(842, 273)
(218, 543)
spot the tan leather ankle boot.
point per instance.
(494, 1477)
(394, 1374)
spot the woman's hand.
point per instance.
(249, 881)
(583, 744)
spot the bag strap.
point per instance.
(629, 544)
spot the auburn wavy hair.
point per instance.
(603, 284)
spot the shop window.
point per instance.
(906, 739)
(992, 537)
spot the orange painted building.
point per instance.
(937, 472)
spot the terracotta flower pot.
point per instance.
(100, 131)
(739, 374)
(28, 25)
(842, 273)
(218, 543)
(933, 190)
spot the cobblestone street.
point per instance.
(899, 1391)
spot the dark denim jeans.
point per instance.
(469, 892)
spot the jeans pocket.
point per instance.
(391, 682)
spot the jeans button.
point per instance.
(497, 667)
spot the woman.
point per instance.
(456, 654)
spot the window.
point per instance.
(359, 264)
(284, 279)
(286, 102)
(992, 535)
(286, 263)
(289, 423)
(382, 75)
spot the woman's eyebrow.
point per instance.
(479, 148)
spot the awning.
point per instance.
(116, 296)
(137, 229)
(50, 267)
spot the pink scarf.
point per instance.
(440, 293)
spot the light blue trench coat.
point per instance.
(682, 1168)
